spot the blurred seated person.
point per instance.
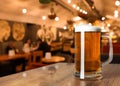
(11, 46)
(43, 46)
(27, 47)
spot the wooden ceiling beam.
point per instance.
(66, 6)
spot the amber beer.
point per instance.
(92, 52)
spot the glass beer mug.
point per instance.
(87, 52)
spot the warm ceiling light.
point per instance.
(78, 8)
(64, 27)
(43, 17)
(117, 3)
(57, 19)
(84, 12)
(81, 10)
(103, 18)
(116, 13)
(108, 25)
(69, 1)
(74, 5)
(24, 10)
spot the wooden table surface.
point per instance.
(53, 59)
(6, 57)
(60, 74)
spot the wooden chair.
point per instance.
(34, 63)
(37, 54)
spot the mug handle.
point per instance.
(110, 51)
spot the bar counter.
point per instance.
(60, 74)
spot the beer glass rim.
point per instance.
(87, 28)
